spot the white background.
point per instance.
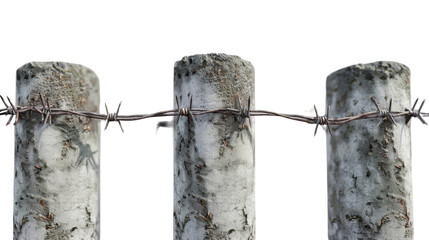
(132, 47)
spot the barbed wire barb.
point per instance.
(327, 119)
(415, 113)
(15, 112)
(47, 114)
(322, 120)
(181, 111)
(244, 113)
(384, 113)
(190, 113)
(113, 116)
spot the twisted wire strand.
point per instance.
(245, 112)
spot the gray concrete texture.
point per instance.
(214, 158)
(369, 166)
(56, 191)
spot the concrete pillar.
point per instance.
(56, 192)
(214, 158)
(369, 166)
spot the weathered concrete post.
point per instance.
(214, 158)
(56, 191)
(369, 166)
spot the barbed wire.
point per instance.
(244, 112)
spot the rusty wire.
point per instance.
(244, 112)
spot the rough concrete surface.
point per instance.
(56, 191)
(369, 167)
(214, 159)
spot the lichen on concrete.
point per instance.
(56, 191)
(369, 166)
(213, 159)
